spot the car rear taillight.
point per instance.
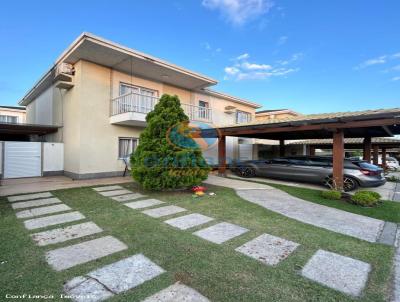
(370, 173)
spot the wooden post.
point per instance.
(338, 158)
(367, 149)
(222, 155)
(281, 147)
(384, 157)
(376, 155)
(312, 150)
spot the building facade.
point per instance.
(98, 93)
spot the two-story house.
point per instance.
(99, 92)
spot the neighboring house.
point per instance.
(99, 92)
(275, 114)
(12, 114)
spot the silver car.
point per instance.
(313, 169)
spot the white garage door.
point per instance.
(22, 159)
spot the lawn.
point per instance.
(388, 210)
(216, 271)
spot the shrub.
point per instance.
(365, 198)
(167, 157)
(332, 194)
(393, 178)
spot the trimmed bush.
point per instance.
(167, 157)
(365, 198)
(332, 194)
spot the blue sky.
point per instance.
(311, 56)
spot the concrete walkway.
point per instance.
(335, 220)
(40, 184)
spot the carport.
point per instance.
(335, 126)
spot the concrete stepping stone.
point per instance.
(107, 188)
(65, 234)
(388, 235)
(341, 273)
(84, 289)
(42, 222)
(177, 293)
(67, 257)
(221, 232)
(268, 249)
(115, 193)
(127, 197)
(113, 279)
(42, 211)
(35, 203)
(189, 221)
(143, 203)
(29, 196)
(163, 211)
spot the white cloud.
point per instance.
(378, 60)
(282, 40)
(396, 68)
(239, 12)
(242, 69)
(396, 79)
(293, 58)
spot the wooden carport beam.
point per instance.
(222, 155)
(338, 158)
(384, 157)
(376, 155)
(367, 149)
(281, 147)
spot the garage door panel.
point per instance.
(22, 159)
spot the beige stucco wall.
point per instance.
(261, 116)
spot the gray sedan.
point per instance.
(313, 169)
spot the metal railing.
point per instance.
(134, 102)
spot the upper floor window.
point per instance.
(8, 119)
(242, 117)
(127, 88)
(203, 112)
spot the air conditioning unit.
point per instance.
(65, 68)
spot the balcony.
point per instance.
(131, 109)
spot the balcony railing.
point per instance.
(134, 102)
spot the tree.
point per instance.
(167, 157)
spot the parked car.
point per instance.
(391, 162)
(313, 169)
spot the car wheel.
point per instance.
(349, 184)
(246, 172)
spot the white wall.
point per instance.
(53, 157)
(1, 157)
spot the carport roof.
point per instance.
(372, 123)
(26, 129)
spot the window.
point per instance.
(8, 119)
(203, 106)
(126, 145)
(242, 117)
(137, 99)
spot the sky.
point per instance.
(310, 56)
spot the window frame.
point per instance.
(131, 140)
(9, 118)
(139, 88)
(248, 114)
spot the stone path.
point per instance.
(29, 196)
(127, 197)
(35, 203)
(67, 233)
(67, 257)
(114, 193)
(332, 219)
(341, 273)
(221, 232)
(188, 221)
(177, 293)
(108, 188)
(329, 269)
(42, 211)
(163, 211)
(46, 221)
(396, 278)
(113, 279)
(268, 249)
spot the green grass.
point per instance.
(388, 210)
(216, 271)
